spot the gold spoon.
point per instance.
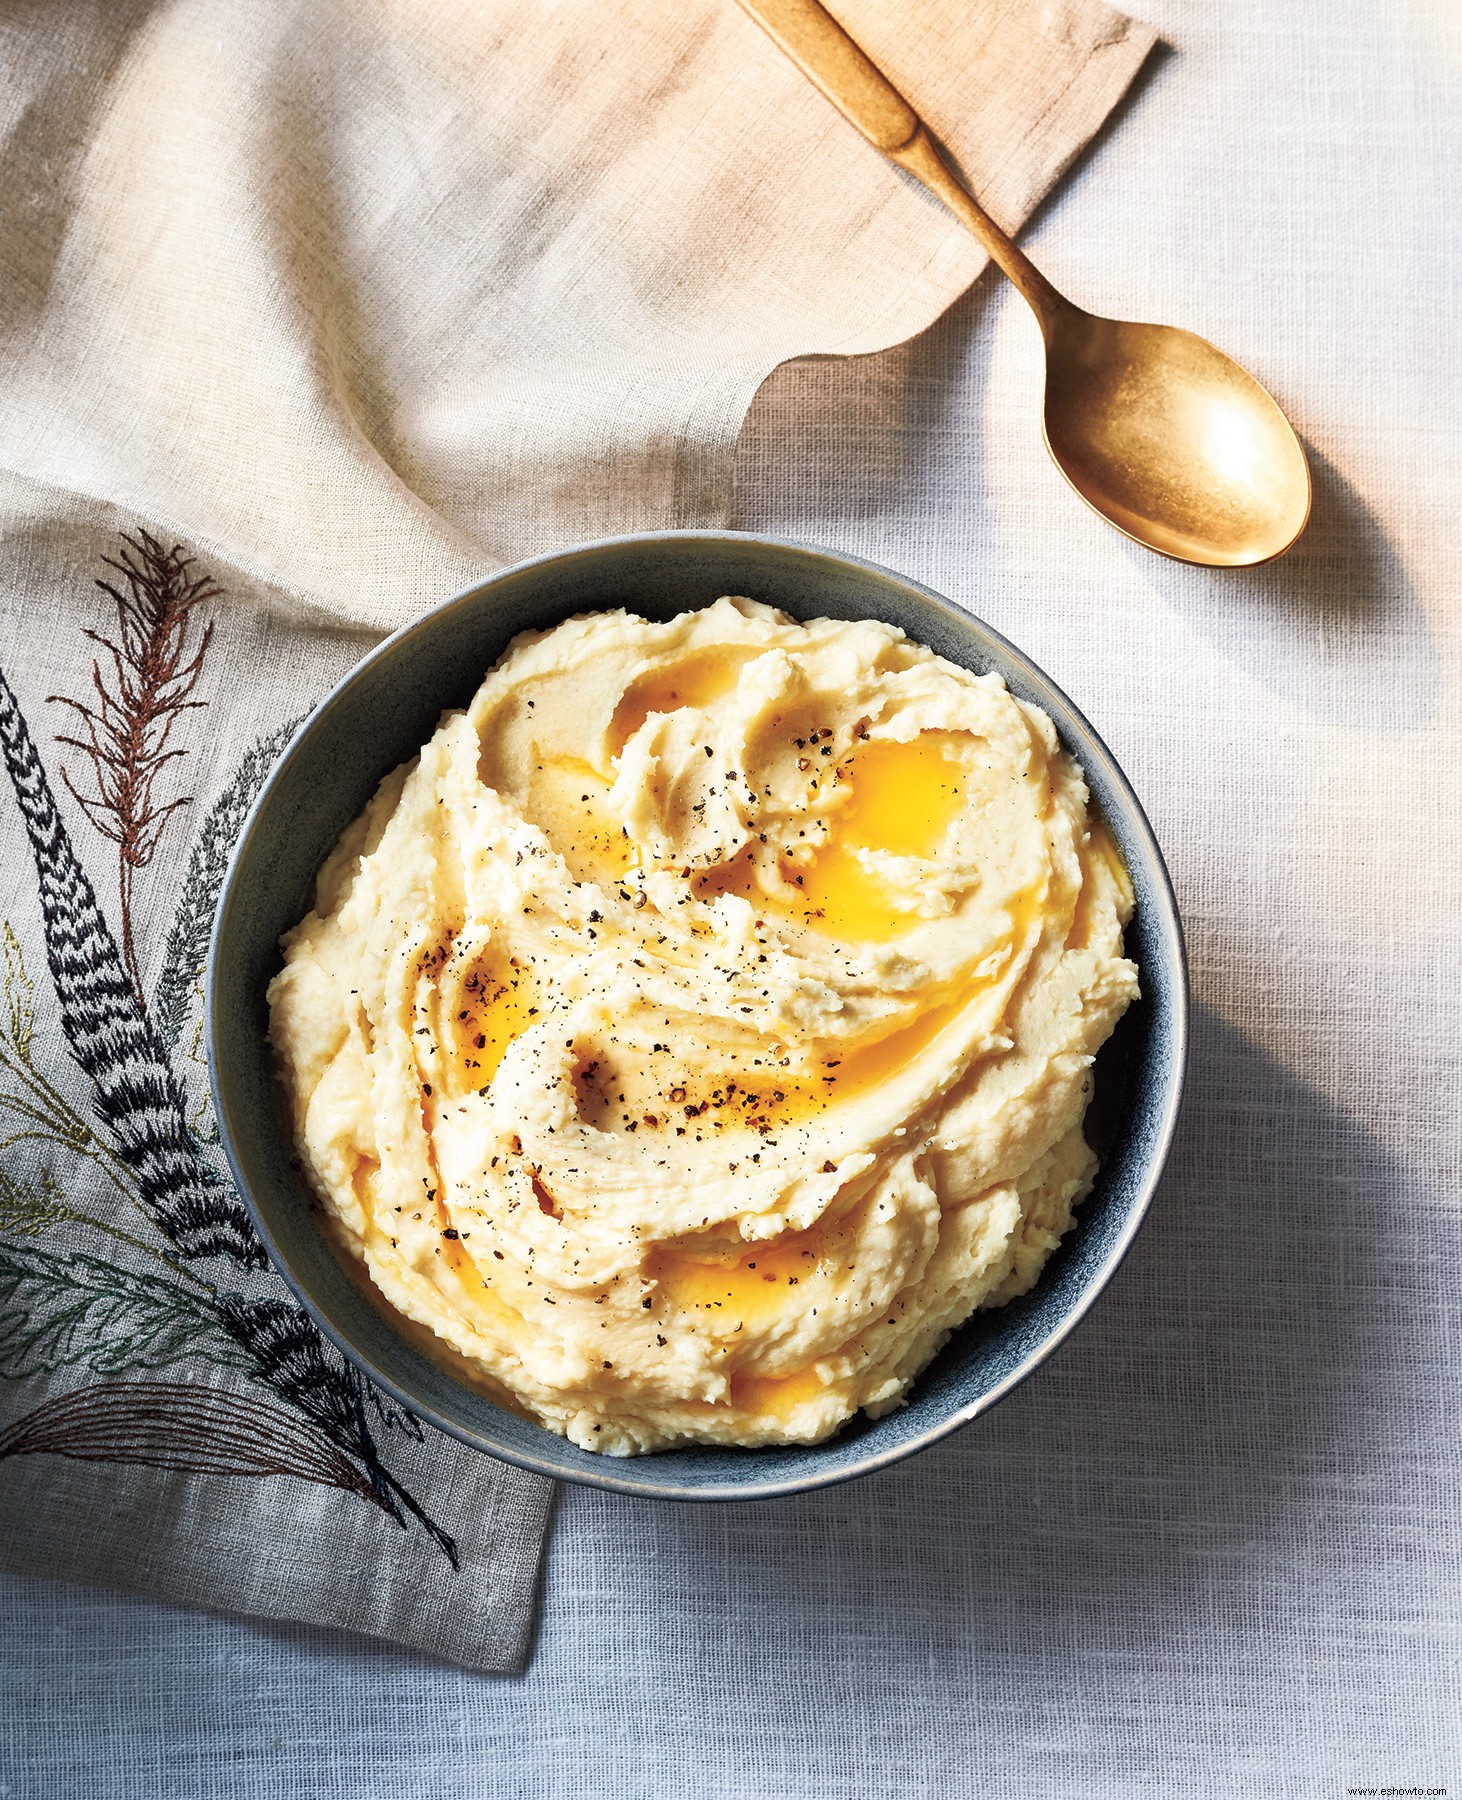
(1164, 436)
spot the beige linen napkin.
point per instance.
(312, 313)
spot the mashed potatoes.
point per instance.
(701, 1026)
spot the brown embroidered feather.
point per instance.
(142, 685)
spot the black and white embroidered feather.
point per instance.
(289, 1355)
(135, 1092)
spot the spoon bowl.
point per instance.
(1172, 441)
(1165, 437)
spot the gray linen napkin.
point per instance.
(313, 314)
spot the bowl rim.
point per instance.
(618, 1473)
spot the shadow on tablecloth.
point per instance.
(1237, 1389)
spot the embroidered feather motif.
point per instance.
(135, 1092)
(182, 1426)
(139, 1101)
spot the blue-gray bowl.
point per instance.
(383, 712)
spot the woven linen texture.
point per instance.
(313, 314)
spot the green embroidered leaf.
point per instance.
(187, 945)
(57, 1311)
(28, 1211)
(29, 1102)
(20, 1012)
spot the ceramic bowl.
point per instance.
(382, 713)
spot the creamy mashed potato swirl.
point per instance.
(701, 1026)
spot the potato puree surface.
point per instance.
(700, 1028)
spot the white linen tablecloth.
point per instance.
(1213, 1550)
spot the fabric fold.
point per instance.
(315, 313)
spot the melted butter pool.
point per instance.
(744, 1290)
